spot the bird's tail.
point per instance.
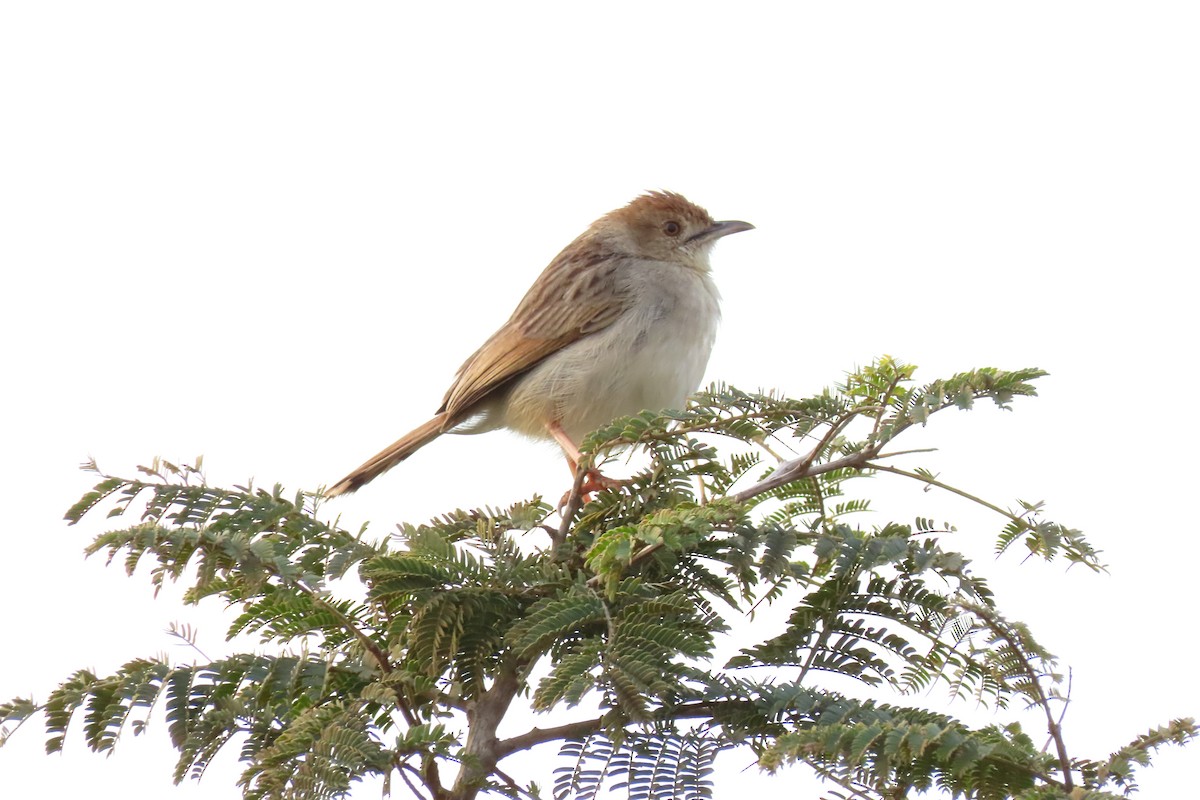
(389, 457)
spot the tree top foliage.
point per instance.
(399, 656)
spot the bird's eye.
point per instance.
(672, 228)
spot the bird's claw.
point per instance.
(593, 481)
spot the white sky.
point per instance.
(269, 233)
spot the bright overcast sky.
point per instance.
(270, 232)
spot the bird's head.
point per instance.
(665, 226)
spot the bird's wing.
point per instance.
(576, 295)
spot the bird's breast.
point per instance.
(652, 357)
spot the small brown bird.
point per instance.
(622, 320)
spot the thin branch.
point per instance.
(551, 532)
(181, 632)
(804, 467)
(583, 727)
(800, 468)
(850, 786)
(367, 642)
(7, 732)
(574, 501)
(762, 442)
(887, 396)
(935, 482)
(504, 776)
(815, 649)
(400, 768)
(908, 452)
(1067, 700)
(1052, 725)
(774, 585)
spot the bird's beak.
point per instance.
(719, 229)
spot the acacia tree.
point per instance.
(614, 603)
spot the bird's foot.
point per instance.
(593, 481)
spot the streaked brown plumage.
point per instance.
(623, 319)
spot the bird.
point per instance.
(621, 321)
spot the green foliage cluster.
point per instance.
(399, 657)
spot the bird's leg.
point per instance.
(564, 441)
(593, 480)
